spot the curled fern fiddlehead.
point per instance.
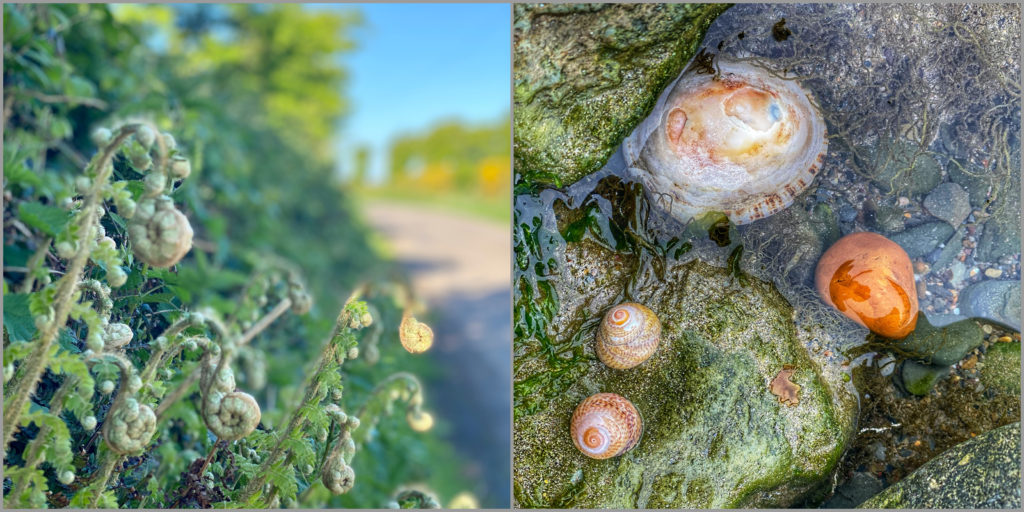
(161, 235)
(230, 414)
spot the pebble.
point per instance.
(922, 239)
(948, 202)
(993, 273)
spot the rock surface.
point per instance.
(998, 301)
(586, 74)
(715, 435)
(941, 346)
(920, 240)
(1002, 368)
(948, 202)
(983, 472)
(919, 379)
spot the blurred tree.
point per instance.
(361, 165)
(454, 156)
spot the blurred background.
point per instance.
(357, 142)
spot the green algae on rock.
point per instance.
(1002, 368)
(715, 435)
(983, 472)
(586, 74)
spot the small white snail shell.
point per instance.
(628, 335)
(161, 235)
(606, 425)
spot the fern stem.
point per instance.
(35, 363)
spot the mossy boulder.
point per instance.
(983, 472)
(715, 435)
(586, 74)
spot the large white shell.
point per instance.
(745, 143)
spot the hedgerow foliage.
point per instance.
(192, 314)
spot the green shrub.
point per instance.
(160, 289)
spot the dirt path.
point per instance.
(461, 267)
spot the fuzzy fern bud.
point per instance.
(107, 387)
(89, 422)
(66, 477)
(169, 141)
(116, 276)
(65, 249)
(155, 183)
(338, 476)
(100, 137)
(145, 136)
(180, 167)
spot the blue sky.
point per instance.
(420, 63)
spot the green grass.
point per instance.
(496, 209)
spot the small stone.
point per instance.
(919, 379)
(959, 271)
(993, 273)
(942, 346)
(847, 213)
(889, 219)
(948, 202)
(922, 239)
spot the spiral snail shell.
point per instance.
(628, 335)
(740, 141)
(605, 425)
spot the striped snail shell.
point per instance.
(628, 335)
(606, 425)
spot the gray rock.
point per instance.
(998, 301)
(947, 255)
(919, 379)
(983, 472)
(889, 219)
(858, 488)
(901, 167)
(714, 434)
(948, 202)
(922, 239)
(847, 213)
(941, 346)
(586, 74)
(1001, 234)
(959, 273)
(973, 178)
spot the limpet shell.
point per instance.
(870, 280)
(606, 425)
(744, 143)
(628, 335)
